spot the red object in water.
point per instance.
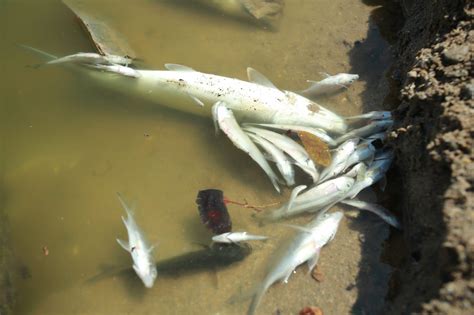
(213, 211)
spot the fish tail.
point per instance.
(39, 52)
(257, 297)
(125, 206)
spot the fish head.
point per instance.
(221, 238)
(146, 272)
(344, 183)
(349, 78)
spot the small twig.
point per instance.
(257, 208)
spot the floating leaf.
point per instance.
(317, 149)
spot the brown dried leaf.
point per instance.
(311, 310)
(317, 149)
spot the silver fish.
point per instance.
(314, 199)
(230, 127)
(138, 247)
(374, 127)
(386, 215)
(330, 84)
(339, 159)
(305, 247)
(363, 152)
(236, 237)
(92, 58)
(278, 156)
(117, 69)
(375, 172)
(374, 115)
(293, 149)
(317, 132)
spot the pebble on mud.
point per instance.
(456, 53)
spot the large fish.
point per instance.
(185, 89)
(139, 249)
(305, 247)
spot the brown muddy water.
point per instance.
(69, 146)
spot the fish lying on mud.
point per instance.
(137, 246)
(305, 247)
(92, 58)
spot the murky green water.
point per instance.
(69, 146)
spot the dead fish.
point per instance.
(236, 237)
(92, 58)
(278, 156)
(305, 247)
(314, 199)
(293, 149)
(137, 246)
(331, 84)
(374, 115)
(118, 69)
(382, 212)
(239, 138)
(372, 128)
(339, 159)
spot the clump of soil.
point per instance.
(435, 161)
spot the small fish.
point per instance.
(320, 133)
(359, 168)
(305, 247)
(118, 69)
(375, 172)
(330, 84)
(236, 237)
(227, 123)
(374, 115)
(383, 213)
(314, 199)
(293, 149)
(364, 151)
(339, 160)
(372, 128)
(92, 58)
(278, 156)
(137, 246)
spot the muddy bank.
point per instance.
(434, 168)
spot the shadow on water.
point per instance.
(371, 58)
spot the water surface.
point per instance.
(69, 146)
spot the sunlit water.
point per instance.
(69, 146)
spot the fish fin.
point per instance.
(313, 261)
(196, 100)
(383, 183)
(214, 118)
(176, 67)
(128, 209)
(287, 276)
(325, 74)
(124, 244)
(43, 54)
(258, 78)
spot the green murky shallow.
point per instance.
(69, 146)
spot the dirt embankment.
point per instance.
(435, 162)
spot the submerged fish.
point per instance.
(339, 159)
(138, 247)
(331, 84)
(373, 128)
(236, 237)
(92, 58)
(305, 247)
